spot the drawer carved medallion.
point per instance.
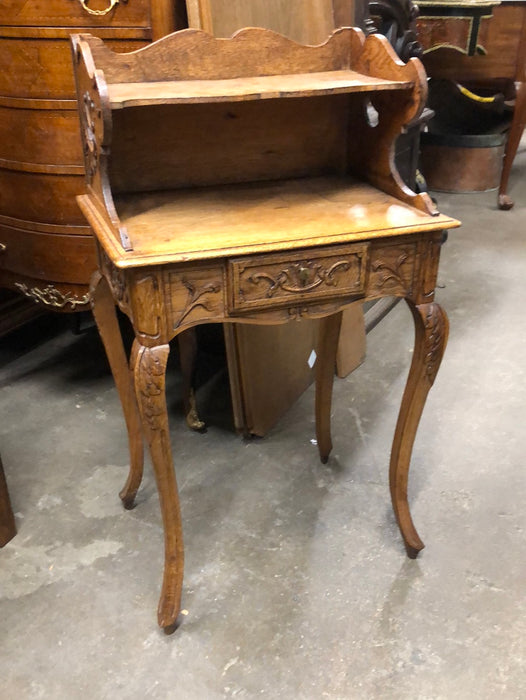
(301, 277)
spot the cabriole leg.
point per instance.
(150, 380)
(517, 127)
(329, 332)
(103, 307)
(431, 332)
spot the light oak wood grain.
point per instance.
(122, 95)
(202, 223)
(269, 239)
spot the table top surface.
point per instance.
(242, 219)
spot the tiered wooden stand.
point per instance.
(251, 180)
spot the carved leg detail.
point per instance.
(106, 319)
(187, 353)
(431, 332)
(514, 137)
(150, 374)
(329, 332)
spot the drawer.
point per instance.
(45, 136)
(51, 257)
(70, 13)
(39, 197)
(42, 68)
(260, 282)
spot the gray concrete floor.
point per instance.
(297, 585)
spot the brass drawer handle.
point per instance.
(3, 247)
(100, 13)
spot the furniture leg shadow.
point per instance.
(329, 332)
(7, 519)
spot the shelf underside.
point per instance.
(123, 95)
(211, 222)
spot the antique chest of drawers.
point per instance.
(46, 249)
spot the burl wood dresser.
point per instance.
(46, 250)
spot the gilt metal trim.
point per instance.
(51, 296)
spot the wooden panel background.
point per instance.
(306, 21)
(300, 136)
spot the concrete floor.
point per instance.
(297, 585)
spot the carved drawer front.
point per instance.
(262, 281)
(71, 13)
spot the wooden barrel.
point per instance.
(462, 163)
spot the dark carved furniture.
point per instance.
(396, 20)
(455, 24)
(494, 59)
(252, 227)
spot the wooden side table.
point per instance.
(251, 180)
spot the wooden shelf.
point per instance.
(210, 222)
(267, 87)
